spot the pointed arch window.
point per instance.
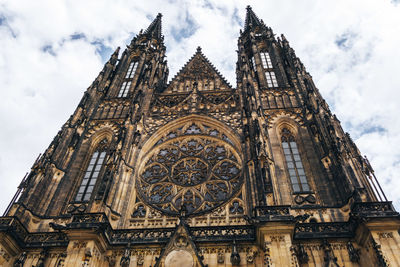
(131, 70)
(294, 165)
(266, 60)
(126, 84)
(268, 68)
(123, 91)
(271, 79)
(91, 174)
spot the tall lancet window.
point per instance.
(126, 84)
(131, 70)
(123, 91)
(293, 160)
(268, 68)
(92, 173)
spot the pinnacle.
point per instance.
(251, 19)
(198, 50)
(154, 29)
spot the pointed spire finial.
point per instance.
(198, 49)
(251, 19)
(154, 29)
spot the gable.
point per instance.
(198, 73)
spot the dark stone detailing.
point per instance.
(300, 199)
(373, 209)
(354, 254)
(378, 251)
(235, 257)
(21, 260)
(88, 220)
(324, 230)
(139, 236)
(126, 258)
(50, 239)
(301, 254)
(42, 258)
(77, 208)
(329, 256)
(13, 227)
(223, 233)
(272, 213)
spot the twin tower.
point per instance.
(194, 172)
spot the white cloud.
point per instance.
(44, 72)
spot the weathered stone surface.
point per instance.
(195, 172)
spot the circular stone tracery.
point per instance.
(194, 168)
(189, 171)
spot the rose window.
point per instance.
(195, 166)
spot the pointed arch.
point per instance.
(193, 162)
(99, 148)
(294, 164)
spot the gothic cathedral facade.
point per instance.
(195, 172)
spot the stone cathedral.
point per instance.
(196, 172)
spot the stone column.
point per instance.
(276, 239)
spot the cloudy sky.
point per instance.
(51, 51)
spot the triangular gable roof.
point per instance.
(199, 67)
(180, 249)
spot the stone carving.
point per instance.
(126, 258)
(235, 257)
(188, 167)
(310, 198)
(379, 255)
(221, 256)
(329, 256)
(267, 255)
(277, 238)
(385, 235)
(354, 254)
(21, 260)
(42, 258)
(250, 255)
(301, 254)
(61, 260)
(140, 259)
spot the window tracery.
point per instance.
(236, 207)
(294, 164)
(194, 165)
(131, 70)
(92, 172)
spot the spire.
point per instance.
(154, 30)
(251, 19)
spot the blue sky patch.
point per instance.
(373, 129)
(207, 4)
(186, 30)
(78, 36)
(4, 23)
(236, 18)
(2, 19)
(49, 49)
(345, 41)
(103, 50)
